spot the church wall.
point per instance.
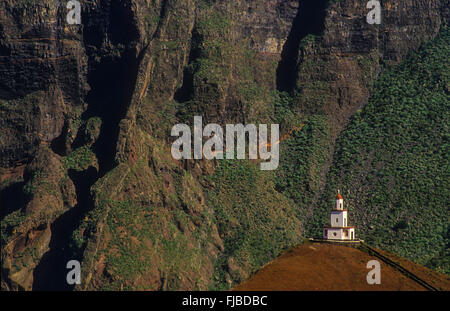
(340, 219)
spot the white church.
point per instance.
(339, 230)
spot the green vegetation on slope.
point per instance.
(254, 220)
(144, 232)
(302, 157)
(391, 162)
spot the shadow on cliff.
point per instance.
(112, 76)
(12, 198)
(50, 273)
(309, 20)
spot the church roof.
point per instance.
(339, 196)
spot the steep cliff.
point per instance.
(86, 112)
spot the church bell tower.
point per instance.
(339, 230)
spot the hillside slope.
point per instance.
(391, 161)
(317, 266)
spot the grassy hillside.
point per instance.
(392, 161)
(255, 221)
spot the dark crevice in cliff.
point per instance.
(112, 78)
(12, 198)
(112, 83)
(122, 27)
(309, 21)
(186, 91)
(58, 145)
(50, 273)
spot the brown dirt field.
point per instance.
(327, 267)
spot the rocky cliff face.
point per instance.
(86, 112)
(38, 94)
